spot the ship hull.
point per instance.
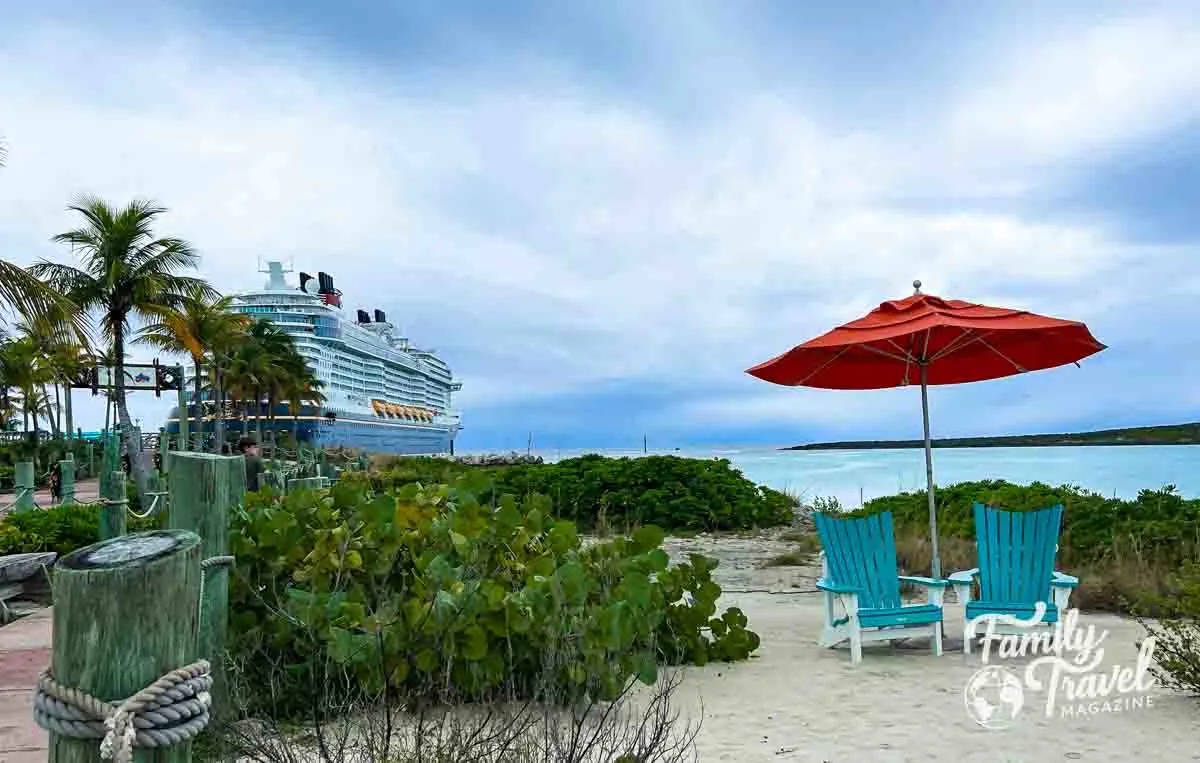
(346, 431)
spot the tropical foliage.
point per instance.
(126, 273)
(36, 302)
(267, 366)
(60, 529)
(203, 328)
(1160, 523)
(602, 493)
(465, 592)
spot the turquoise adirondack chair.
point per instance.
(860, 577)
(1016, 569)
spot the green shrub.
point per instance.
(61, 529)
(47, 453)
(602, 493)
(463, 594)
(1177, 634)
(1159, 523)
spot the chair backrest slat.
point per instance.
(862, 552)
(1016, 553)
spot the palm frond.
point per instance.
(44, 307)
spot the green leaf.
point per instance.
(647, 537)
(427, 660)
(647, 669)
(562, 537)
(474, 646)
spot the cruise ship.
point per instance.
(382, 395)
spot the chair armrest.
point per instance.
(832, 587)
(964, 577)
(927, 582)
(1064, 581)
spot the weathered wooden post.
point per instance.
(66, 468)
(24, 485)
(125, 616)
(114, 510)
(164, 450)
(203, 489)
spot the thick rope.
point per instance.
(206, 565)
(173, 709)
(217, 561)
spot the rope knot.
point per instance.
(173, 709)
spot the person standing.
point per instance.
(254, 463)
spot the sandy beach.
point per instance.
(796, 701)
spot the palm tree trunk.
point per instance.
(58, 409)
(198, 427)
(136, 466)
(258, 417)
(50, 413)
(274, 438)
(219, 413)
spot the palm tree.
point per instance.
(55, 362)
(126, 273)
(265, 367)
(201, 328)
(35, 301)
(253, 369)
(303, 387)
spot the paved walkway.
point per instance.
(86, 491)
(24, 651)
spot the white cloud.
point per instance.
(557, 238)
(1083, 90)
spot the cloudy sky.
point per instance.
(600, 214)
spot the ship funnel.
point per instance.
(380, 317)
(363, 317)
(304, 278)
(324, 282)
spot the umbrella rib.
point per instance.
(904, 357)
(957, 344)
(1014, 363)
(823, 366)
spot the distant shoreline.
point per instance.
(1171, 434)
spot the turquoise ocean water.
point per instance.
(847, 475)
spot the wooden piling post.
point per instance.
(124, 615)
(66, 468)
(24, 484)
(164, 450)
(114, 512)
(203, 489)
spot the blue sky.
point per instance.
(600, 214)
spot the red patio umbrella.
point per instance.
(928, 340)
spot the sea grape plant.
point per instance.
(448, 593)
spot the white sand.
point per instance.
(796, 701)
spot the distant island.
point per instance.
(1171, 434)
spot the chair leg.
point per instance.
(855, 640)
(937, 639)
(968, 636)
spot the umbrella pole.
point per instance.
(933, 534)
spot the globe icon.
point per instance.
(994, 697)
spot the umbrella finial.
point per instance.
(917, 287)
